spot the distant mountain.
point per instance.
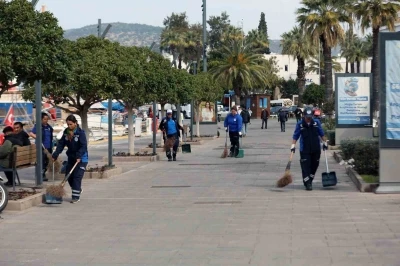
(133, 34)
(129, 34)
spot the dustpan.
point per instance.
(329, 179)
(186, 148)
(240, 153)
(51, 199)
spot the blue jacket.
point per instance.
(164, 126)
(77, 147)
(233, 123)
(309, 135)
(47, 136)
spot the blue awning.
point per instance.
(116, 106)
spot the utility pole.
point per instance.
(109, 107)
(192, 105)
(204, 6)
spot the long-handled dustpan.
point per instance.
(186, 148)
(329, 179)
(50, 199)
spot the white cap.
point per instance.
(169, 111)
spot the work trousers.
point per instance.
(244, 129)
(75, 180)
(45, 160)
(174, 148)
(283, 125)
(234, 138)
(309, 164)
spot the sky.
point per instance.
(280, 14)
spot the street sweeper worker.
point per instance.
(47, 140)
(233, 124)
(310, 133)
(171, 130)
(75, 140)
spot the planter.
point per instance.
(359, 182)
(25, 203)
(158, 150)
(333, 147)
(104, 174)
(140, 158)
(337, 156)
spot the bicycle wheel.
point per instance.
(3, 197)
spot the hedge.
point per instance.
(365, 153)
(330, 135)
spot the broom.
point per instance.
(56, 164)
(58, 191)
(225, 152)
(287, 178)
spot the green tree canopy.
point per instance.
(314, 94)
(30, 47)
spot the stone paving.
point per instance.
(204, 210)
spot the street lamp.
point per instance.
(109, 107)
(204, 6)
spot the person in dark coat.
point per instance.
(264, 118)
(310, 133)
(282, 116)
(171, 130)
(19, 133)
(246, 120)
(74, 138)
(5, 150)
(298, 113)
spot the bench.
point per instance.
(21, 157)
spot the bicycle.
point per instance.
(3, 197)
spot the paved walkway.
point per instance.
(204, 210)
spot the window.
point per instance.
(286, 68)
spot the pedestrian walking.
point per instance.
(47, 140)
(74, 138)
(246, 120)
(310, 133)
(264, 118)
(298, 113)
(282, 117)
(233, 124)
(170, 128)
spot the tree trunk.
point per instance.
(301, 78)
(327, 69)
(180, 61)
(375, 70)
(198, 120)
(131, 133)
(84, 119)
(358, 66)
(237, 87)
(352, 67)
(347, 65)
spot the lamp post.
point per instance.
(204, 35)
(192, 105)
(109, 107)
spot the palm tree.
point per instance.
(375, 14)
(240, 67)
(171, 41)
(347, 49)
(258, 41)
(322, 20)
(361, 52)
(299, 45)
(315, 65)
(192, 41)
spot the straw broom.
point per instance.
(58, 191)
(225, 152)
(287, 178)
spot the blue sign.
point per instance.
(392, 90)
(354, 101)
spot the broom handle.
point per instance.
(53, 173)
(326, 161)
(69, 174)
(291, 156)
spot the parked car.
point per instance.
(222, 113)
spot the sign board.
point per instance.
(353, 100)
(208, 113)
(390, 90)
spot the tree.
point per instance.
(298, 45)
(258, 42)
(218, 25)
(321, 20)
(206, 88)
(314, 66)
(31, 44)
(91, 77)
(263, 31)
(375, 14)
(289, 88)
(172, 36)
(240, 68)
(314, 94)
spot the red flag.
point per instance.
(9, 120)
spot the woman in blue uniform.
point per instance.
(75, 140)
